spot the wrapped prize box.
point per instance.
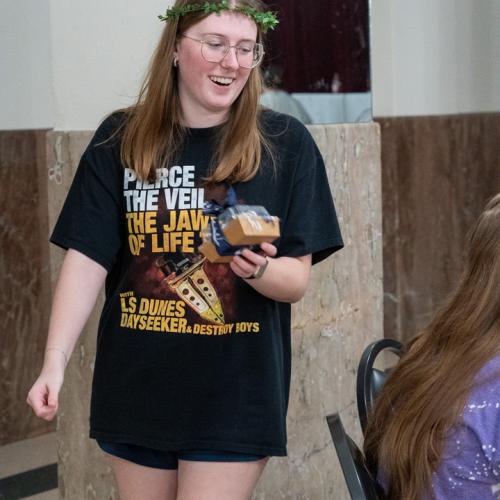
(237, 227)
(248, 225)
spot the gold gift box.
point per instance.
(249, 229)
(242, 225)
(208, 249)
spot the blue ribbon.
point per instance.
(215, 208)
(223, 247)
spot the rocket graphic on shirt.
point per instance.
(184, 275)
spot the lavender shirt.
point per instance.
(470, 467)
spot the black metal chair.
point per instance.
(360, 482)
(370, 380)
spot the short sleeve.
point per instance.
(91, 220)
(311, 225)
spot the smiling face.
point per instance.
(206, 89)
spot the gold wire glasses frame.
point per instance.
(215, 48)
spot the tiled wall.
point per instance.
(437, 173)
(25, 278)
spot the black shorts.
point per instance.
(160, 459)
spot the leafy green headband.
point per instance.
(266, 20)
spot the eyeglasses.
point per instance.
(215, 48)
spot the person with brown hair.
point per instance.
(435, 428)
(192, 372)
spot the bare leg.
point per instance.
(218, 480)
(136, 482)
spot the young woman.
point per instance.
(435, 430)
(192, 373)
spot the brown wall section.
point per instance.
(437, 173)
(24, 271)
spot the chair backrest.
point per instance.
(370, 380)
(360, 483)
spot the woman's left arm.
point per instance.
(285, 279)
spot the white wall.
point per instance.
(101, 49)
(26, 99)
(65, 64)
(435, 57)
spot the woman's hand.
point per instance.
(248, 263)
(77, 288)
(285, 279)
(43, 397)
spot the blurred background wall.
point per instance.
(435, 58)
(436, 95)
(64, 66)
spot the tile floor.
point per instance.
(28, 466)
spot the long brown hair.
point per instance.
(153, 133)
(426, 394)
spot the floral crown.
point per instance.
(266, 20)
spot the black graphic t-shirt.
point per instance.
(189, 356)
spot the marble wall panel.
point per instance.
(83, 472)
(341, 313)
(338, 317)
(24, 271)
(437, 173)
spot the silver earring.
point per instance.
(176, 62)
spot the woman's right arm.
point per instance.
(78, 286)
